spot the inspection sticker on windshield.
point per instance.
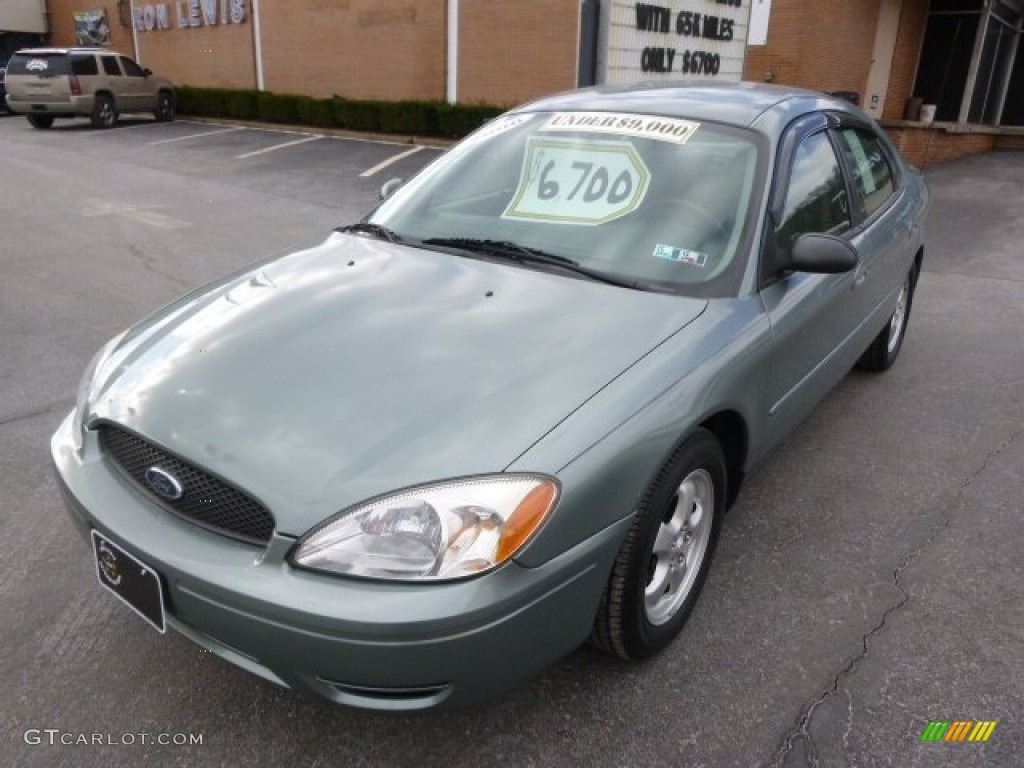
(681, 255)
(640, 126)
(579, 182)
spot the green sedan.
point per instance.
(505, 413)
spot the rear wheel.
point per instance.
(667, 553)
(40, 121)
(104, 114)
(164, 111)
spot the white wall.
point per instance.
(23, 16)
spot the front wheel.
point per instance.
(667, 553)
(40, 121)
(886, 347)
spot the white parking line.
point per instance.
(97, 207)
(389, 161)
(121, 127)
(197, 135)
(277, 146)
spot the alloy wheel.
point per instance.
(679, 547)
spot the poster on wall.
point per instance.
(678, 40)
(760, 13)
(91, 28)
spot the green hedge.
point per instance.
(418, 118)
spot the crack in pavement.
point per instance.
(149, 263)
(52, 407)
(801, 731)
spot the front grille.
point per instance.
(205, 500)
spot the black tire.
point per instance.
(886, 347)
(40, 121)
(164, 112)
(631, 623)
(104, 113)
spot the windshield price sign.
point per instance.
(669, 129)
(572, 182)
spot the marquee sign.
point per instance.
(684, 39)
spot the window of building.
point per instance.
(970, 60)
(816, 199)
(1000, 39)
(945, 61)
(1013, 105)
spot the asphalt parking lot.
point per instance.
(869, 580)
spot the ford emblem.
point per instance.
(164, 484)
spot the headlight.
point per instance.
(443, 531)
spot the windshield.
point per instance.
(662, 203)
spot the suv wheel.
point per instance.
(164, 111)
(40, 121)
(103, 113)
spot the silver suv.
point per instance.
(46, 83)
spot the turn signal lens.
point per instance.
(525, 519)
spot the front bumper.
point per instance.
(374, 645)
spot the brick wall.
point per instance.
(220, 56)
(1009, 141)
(927, 146)
(511, 52)
(823, 45)
(360, 49)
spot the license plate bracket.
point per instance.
(130, 580)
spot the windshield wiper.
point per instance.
(526, 255)
(368, 228)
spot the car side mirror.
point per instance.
(388, 188)
(822, 254)
(147, 71)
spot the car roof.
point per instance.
(738, 104)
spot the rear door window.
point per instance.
(84, 65)
(110, 66)
(872, 175)
(42, 64)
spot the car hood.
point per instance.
(359, 367)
